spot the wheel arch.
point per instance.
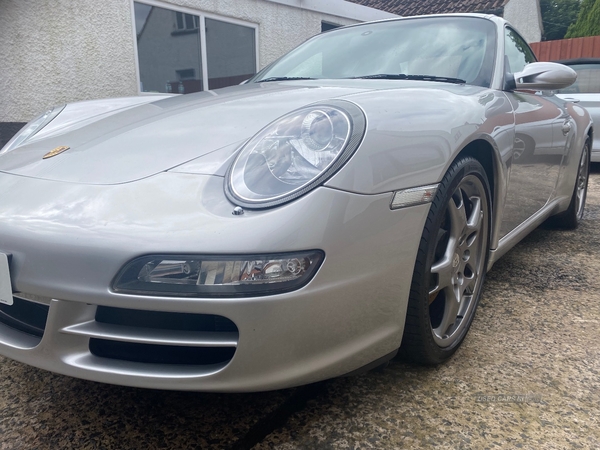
(489, 157)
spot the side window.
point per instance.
(517, 53)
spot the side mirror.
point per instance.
(544, 76)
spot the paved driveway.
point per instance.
(527, 376)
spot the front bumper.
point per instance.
(68, 241)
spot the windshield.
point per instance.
(450, 47)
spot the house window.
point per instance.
(172, 57)
(186, 74)
(186, 21)
(326, 26)
(231, 55)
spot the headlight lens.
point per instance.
(217, 276)
(294, 154)
(32, 128)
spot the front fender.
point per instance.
(413, 135)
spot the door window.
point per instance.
(517, 52)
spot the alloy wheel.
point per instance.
(582, 181)
(459, 261)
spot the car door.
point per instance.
(537, 155)
(586, 93)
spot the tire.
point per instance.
(569, 219)
(450, 266)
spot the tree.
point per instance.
(557, 16)
(588, 20)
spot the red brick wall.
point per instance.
(586, 47)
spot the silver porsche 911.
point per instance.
(345, 202)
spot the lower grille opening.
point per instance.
(162, 349)
(160, 354)
(164, 320)
(23, 315)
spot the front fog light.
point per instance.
(217, 276)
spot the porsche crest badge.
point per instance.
(56, 151)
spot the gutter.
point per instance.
(496, 12)
(339, 8)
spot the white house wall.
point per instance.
(59, 51)
(526, 17)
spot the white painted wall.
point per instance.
(526, 17)
(59, 51)
(56, 51)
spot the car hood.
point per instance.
(141, 141)
(198, 133)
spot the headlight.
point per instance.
(32, 128)
(295, 154)
(217, 276)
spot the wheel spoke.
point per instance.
(475, 220)
(441, 235)
(443, 267)
(451, 308)
(443, 270)
(458, 215)
(459, 223)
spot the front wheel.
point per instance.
(450, 265)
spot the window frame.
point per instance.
(202, 30)
(505, 72)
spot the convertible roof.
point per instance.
(423, 7)
(579, 61)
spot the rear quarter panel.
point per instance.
(591, 102)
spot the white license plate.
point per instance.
(6, 296)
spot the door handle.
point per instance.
(566, 128)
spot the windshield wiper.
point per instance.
(403, 76)
(264, 80)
